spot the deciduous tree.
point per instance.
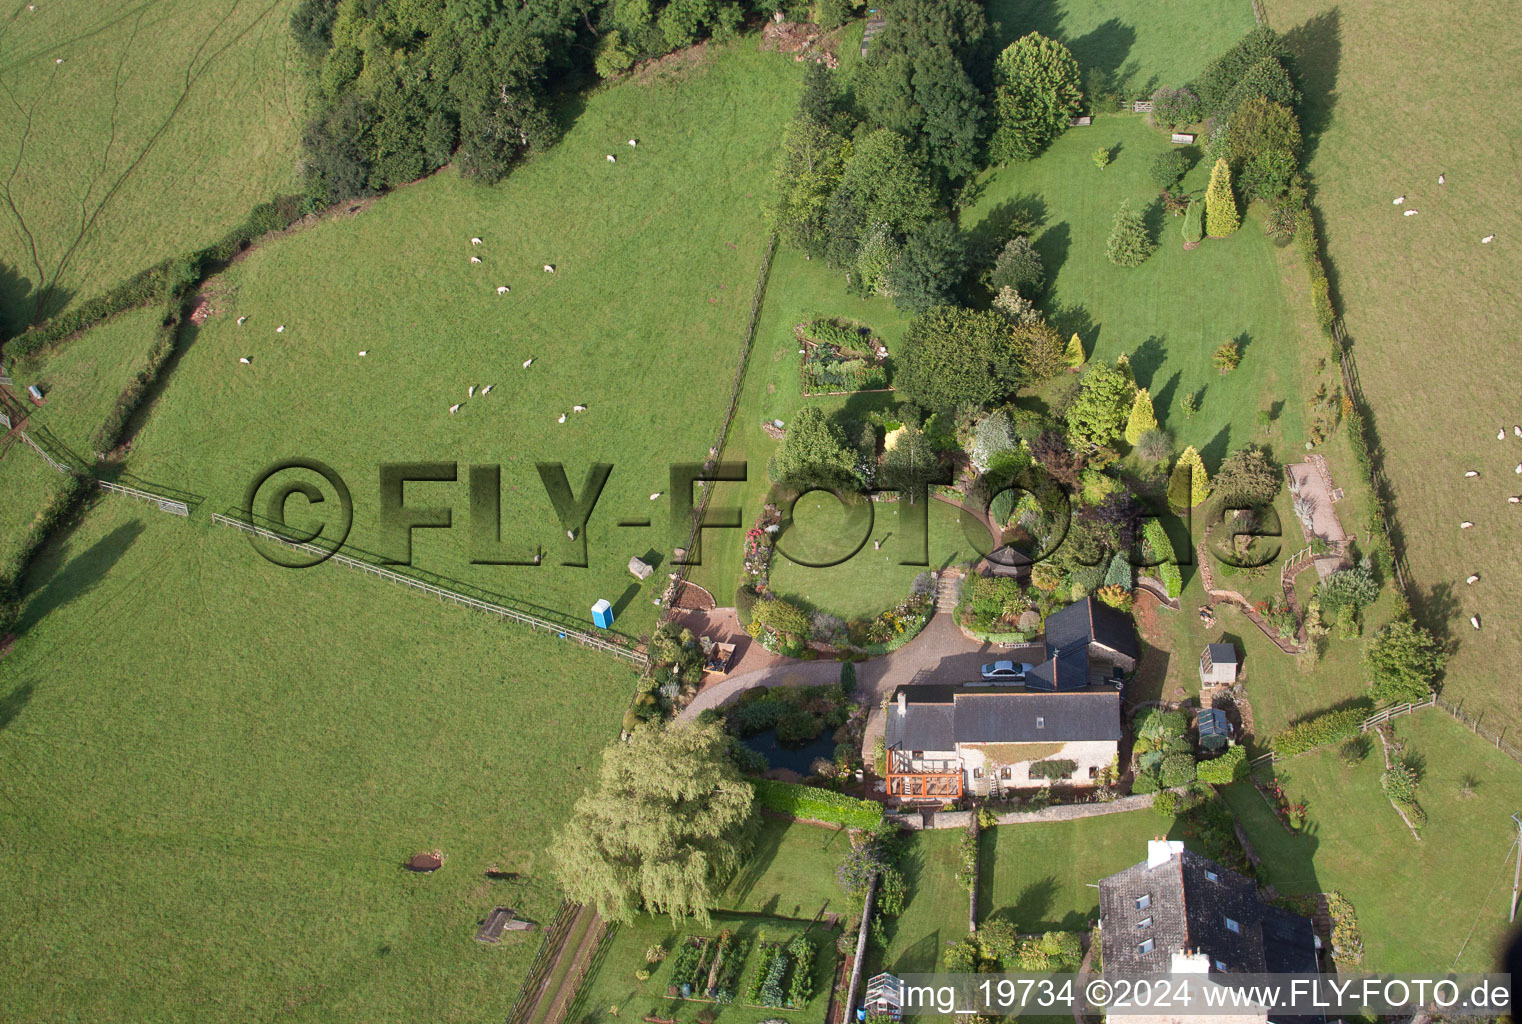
(815, 453)
(1404, 662)
(929, 269)
(1036, 91)
(665, 827)
(1098, 415)
(953, 356)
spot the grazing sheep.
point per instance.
(1517, 430)
(475, 241)
(475, 259)
(571, 534)
(364, 351)
(1466, 524)
(656, 495)
(1514, 500)
(280, 329)
(487, 390)
(1410, 213)
(526, 363)
(241, 319)
(1518, 470)
(632, 142)
(1473, 579)
(1442, 179)
(1474, 620)
(1501, 434)
(245, 360)
(470, 392)
(1472, 473)
(549, 268)
(455, 408)
(562, 418)
(1398, 200)
(1487, 239)
(503, 289)
(612, 159)
(58, 61)
(578, 408)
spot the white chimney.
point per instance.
(903, 703)
(1185, 962)
(1161, 851)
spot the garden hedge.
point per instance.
(1229, 767)
(797, 801)
(1332, 727)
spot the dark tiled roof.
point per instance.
(1188, 909)
(1091, 620)
(938, 717)
(1222, 654)
(1062, 670)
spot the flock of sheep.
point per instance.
(1442, 179)
(1515, 499)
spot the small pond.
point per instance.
(795, 759)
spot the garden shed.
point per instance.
(1219, 665)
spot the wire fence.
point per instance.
(624, 650)
(1497, 738)
(735, 389)
(544, 960)
(66, 462)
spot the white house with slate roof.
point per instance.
(1062, 726)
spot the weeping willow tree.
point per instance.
(664, 829)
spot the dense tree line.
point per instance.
(405, 86)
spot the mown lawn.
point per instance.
(162, 126)
(82, 379)
(656, 257)
(1042, 876)
(791, 873)
(935, 912)
(1142, 45)
(1416, 901)
(1169, 315)
(1431, 313)
(219, 767)
(613, 993)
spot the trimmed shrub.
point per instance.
(1194, 223)
(797, 801)
(1176, 770)
(1221, 217)
(1228, 768)
(1332, 727)
(1167, 168)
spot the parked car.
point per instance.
(1006, 672)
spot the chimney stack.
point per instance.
(903, 703)
(1161, 851)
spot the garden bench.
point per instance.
(1078, 122)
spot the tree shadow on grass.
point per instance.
(12, 703)
(1035, 902)
(1162, 398)
(1147, 360)
(83, 573)
(1052, 246)
(1214, 451)
(1316, 50)
(1438, 609)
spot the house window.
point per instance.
(1145, 946)
(1233, 927)
(1145, 922)
(1040, 723)
(1212, 876)
(977, 773)
(1093, 773)
(1143, 902)
(1005, 773)
(918, 755)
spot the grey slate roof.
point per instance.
(1190, 910)
(1088, 620)
(1222, 654)
(939, 717)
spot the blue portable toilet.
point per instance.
(602, 614)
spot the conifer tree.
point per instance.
(1190, 484)
(1221, 217)
(1142, 418)
(1074, 353)
(1129, 244)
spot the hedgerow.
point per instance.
(797, 801)
(1332, 727)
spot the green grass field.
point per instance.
(1416, 901)
(791, 873)
(641, 323)
(164, 123)
(82, 380)
(218, 767)
(1432, 338)
(936, 911)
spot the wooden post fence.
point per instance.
(629, 654)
